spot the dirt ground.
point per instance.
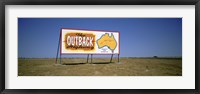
(101, 67)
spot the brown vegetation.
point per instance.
(99, 67)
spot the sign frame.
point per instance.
(59, 49)
(60, 41)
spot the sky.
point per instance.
(139, 37)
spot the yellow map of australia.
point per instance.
(106, 40)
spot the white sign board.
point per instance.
(74, 41)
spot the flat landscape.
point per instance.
(100, 67)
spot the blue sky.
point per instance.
(139, 37)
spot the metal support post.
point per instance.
(91, 58)
(111, 58)
(87, 57)
(118, 58)
(58, 49)
(60, 59)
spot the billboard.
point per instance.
(74, 41)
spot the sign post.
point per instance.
(87, 58)
(58, 49)
(91, 58)
(111, 58)
(118, 57)
(75, 41)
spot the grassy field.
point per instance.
(101, 67)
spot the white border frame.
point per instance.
(186, 81)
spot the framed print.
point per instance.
(106, 46)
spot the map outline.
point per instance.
(107, 45)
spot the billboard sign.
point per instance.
(74, 41)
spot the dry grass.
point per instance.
(79, 67)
